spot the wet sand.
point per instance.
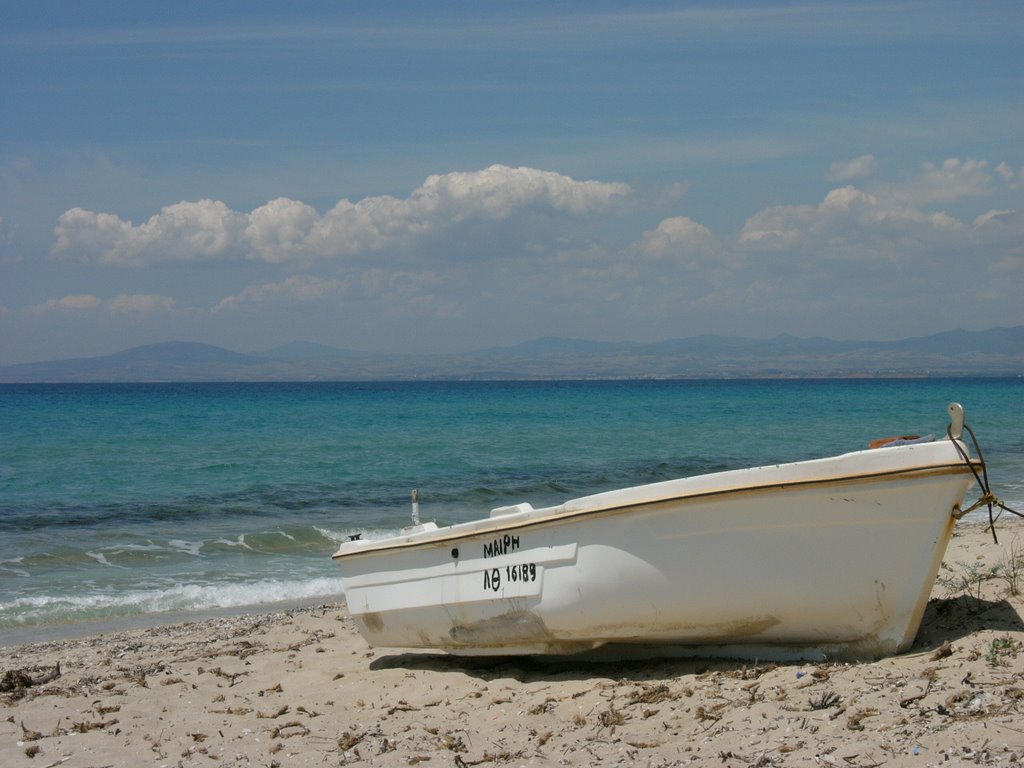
(301, 688)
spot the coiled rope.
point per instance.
(988, 498)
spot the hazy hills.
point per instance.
(995, 352)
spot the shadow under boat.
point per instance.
(946, 621)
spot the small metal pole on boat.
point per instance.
(415, 506)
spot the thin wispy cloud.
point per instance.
(297, 288)
(847, 170)
(510, 28)
(136, 304)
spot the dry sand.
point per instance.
(301, 687)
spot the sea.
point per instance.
(127, 504)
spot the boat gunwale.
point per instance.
(445, 535)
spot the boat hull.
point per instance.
(834, 557)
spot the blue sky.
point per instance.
(452, 176)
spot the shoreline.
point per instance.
(299, 686)
(57, 632)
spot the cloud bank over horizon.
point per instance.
(464, 242)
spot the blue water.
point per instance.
(126, 500)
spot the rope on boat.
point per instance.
(988, 498)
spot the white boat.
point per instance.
(826, 558)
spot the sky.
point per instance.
(449, 176)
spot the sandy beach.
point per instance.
(301, 687)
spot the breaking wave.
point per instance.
(63, 608)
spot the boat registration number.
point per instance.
(509, 574)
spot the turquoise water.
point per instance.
(125, 500)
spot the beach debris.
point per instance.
(755, 672)
(652, 694)
(246, 648)
(288, 730)
(915, 690)
(611, 717)
(85, 726)
(28, 735)
(20, 679)
(826, 700)
(453, 743)
(402, 706)
(349, 740)
(548, 705)
(271, 716)
(231, 677)
(504, 756)
(231, 711)
(942, 651)
(711, 713)
(817, 675)
(854, 722)
(637, 744)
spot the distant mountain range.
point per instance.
(995, 352)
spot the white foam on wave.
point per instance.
(116, 549)
(190, 547)
(240, 542)
(180, 597)
(340, 537)
(5, 565)
(100, 558)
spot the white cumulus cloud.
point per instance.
(946, 182)
(1012, 178)
(278, 230)
(682, 241)
(851, 223)
(186, 231)
(498, 191)
(285, 229)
